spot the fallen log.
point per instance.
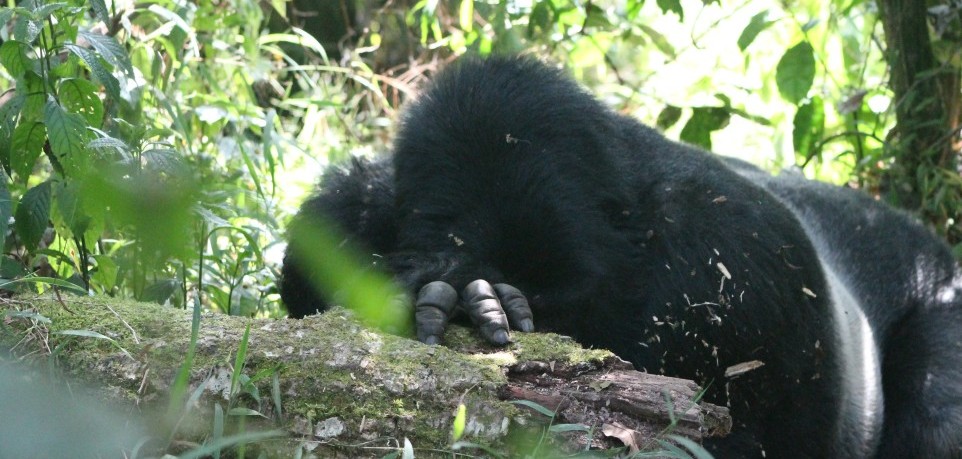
(336, 388)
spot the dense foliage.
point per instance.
(156, 150)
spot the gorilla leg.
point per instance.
(922, 380)
(910, 289)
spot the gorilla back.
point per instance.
(513, 193)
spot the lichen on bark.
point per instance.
(341, 384)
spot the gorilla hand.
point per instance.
(493, 309)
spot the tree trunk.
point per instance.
(335, 388)
(928, 100)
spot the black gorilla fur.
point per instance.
(677, 260)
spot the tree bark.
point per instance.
(928, 101)
(338, 389)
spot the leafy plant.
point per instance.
(117, 153)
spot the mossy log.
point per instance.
(342, 389)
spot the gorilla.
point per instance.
(829, 323)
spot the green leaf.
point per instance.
(697, 450)
(13, 56)
(267, 146)
(46, 10)
(425, 20)
(241, 411)
(668, 117)
(539, 20)
(276, 395)
(796, 72)
(109, 49)
(27, 28)
(246, 387)
(761, 120)
(596, 17)
(164, 160)
(811, 24)
(809, 126)
(466, 15)
(84, 333)
(6, 209)
(703, 121)
(11, 269)
(372, 292)
(632, 8)
(94, 63)
(80, 96)
(9, 113)
(228, 442)
(161, 291)
(68, 136)
(32, 315)
(45, 280)
(100, 9)
(535, 406)
(672, 5)
(33, 215)
(27, 144)
(178, 388)
(105, 273)
(460, 419)
(239, 360)
(67, 198)
(756, 25)
(218, 426)
(6, 14)
(34, 97)
(559, 428)
(211, 219)
(109, 143)
(659, 40)
(673, 451)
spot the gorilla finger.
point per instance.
(481, 302)
(434, 306)
(516, 306)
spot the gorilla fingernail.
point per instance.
(526, 325)
(499, 337)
